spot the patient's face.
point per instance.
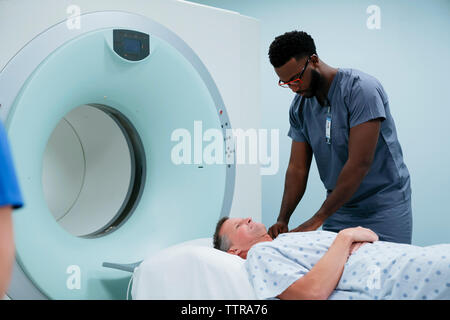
(243, 232)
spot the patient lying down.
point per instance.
(351, 264)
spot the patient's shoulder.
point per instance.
(261, 248)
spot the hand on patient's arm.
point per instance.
(323, 278)
(6, 248)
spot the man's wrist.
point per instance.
(321, 215)
(283, 220)
(346, 235)
(316, 221)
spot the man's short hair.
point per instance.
(293, 44)
(221, 242)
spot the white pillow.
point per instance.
(192, 270)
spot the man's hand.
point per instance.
(278, 228)
(359, 236)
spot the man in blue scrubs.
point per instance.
(342, 117)
(10, 198)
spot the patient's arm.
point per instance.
(323, 278)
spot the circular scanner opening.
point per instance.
(93, 170)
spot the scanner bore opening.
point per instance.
(93, 171)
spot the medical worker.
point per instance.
(341, 117)
(10, 198)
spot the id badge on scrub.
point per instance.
(328, 127)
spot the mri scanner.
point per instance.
(90, 93)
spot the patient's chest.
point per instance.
(305, 248)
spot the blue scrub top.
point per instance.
(355, 97)
(9, 187)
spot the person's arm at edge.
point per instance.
(6, 248)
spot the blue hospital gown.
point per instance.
(379, 270)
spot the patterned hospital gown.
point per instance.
(379, 270)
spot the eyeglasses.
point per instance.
(296, 81)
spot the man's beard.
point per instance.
(316, 82)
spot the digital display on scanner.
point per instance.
(131, 45)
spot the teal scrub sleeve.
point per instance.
(366, 102)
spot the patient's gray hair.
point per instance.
(221, 242)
